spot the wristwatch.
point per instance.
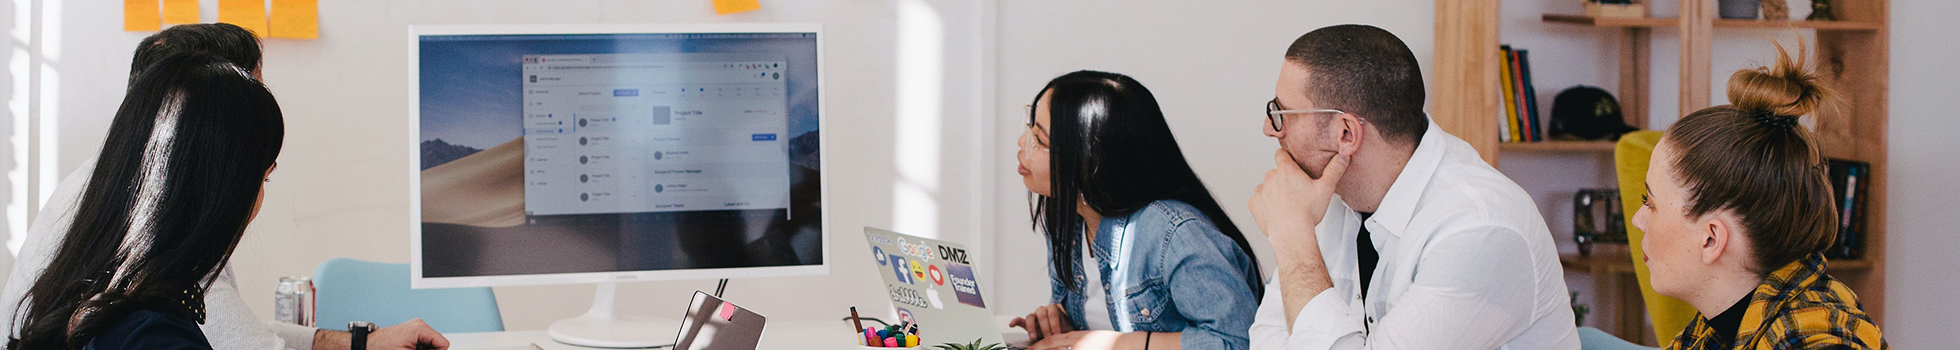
(360, 330)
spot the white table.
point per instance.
(813, 335)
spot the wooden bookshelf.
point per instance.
(1619, 262)
(1664, 22)
(1612, 22)
(1851, 54)
(1818, 25)
(1556, 146)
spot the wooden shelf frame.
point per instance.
(1669, 22)
(1851, 54)
(1621, 263)
(1558, 146)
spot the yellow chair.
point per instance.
(1630, 157)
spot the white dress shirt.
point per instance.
(228, 324)
(1466, 263)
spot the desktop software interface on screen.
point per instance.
(618, 152)
(638, 133)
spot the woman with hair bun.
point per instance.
(1738, 211)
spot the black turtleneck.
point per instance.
(1729, 321)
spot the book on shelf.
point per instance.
(1530, 96)
(1520, 120)
(1517, 96)
(1849, 184)
(1503, 122)
(1513, 133)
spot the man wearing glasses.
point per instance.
(1389, 232)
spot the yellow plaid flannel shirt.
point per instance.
(1796, 307)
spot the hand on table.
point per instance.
(1079, 340)
(1045, 321)
(411, 335)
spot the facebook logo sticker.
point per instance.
(900, 268)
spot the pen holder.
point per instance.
(909, 340)
(867, 347)
(896, 341)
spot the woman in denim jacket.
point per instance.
(1140, 255)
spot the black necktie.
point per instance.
(1367, 256)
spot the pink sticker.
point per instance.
(727, 311)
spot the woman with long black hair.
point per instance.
(1140, 255)
(177, 181)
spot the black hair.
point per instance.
(1110, 147)
(227, 41)
(173, 189)
(1367, 71)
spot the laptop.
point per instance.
(932, 284)
(714, 324)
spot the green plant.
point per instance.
(975, 345)
(1579, 311)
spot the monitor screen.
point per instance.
(569, 155)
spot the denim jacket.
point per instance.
(1171, 271)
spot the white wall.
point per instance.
(339, 186)
(1212, 66)
(1921, 271)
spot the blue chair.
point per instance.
(1595, 339)
(353, 290)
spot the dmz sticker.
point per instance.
(964, 286)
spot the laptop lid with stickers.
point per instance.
(932, 283)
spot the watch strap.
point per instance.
(358, 332)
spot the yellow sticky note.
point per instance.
(723, 7)
(142, 15)
(180, 11)
(297, 19)
(248, 14)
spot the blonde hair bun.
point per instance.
(1788, 89)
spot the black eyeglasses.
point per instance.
(1278, 116)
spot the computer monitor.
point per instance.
(615, 153)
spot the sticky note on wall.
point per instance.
(141, 15)
(723, 7)
(297, 19)
(248, 14)
(179, 11)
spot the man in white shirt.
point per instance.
(229, 324)
(1389, 232)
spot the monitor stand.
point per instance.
(600, 327)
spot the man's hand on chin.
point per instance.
(1286, 207)
(1289, 203)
